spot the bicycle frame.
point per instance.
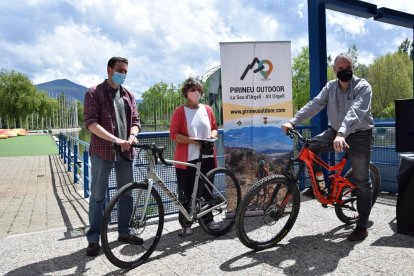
(152, 177)
(307, 157)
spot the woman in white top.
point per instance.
(189, 121)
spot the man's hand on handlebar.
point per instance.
(132, 139)
(124, 144)
(286, 126)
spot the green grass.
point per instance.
(30, 145)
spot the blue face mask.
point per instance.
(118, 78)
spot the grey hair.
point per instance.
(343, 56)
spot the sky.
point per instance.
(168, 40)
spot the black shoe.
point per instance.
(308, 192)
(92, 249)
(131, 239)
(359, 234)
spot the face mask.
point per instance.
(194, 96)
(118, 78)
(344, 75)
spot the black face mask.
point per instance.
(344, 75)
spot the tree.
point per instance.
(80, 112)
(300, 79)
(353, 52)
(329, 70)
(160, 101)
(17, 97)
(406, 48)
(391, 78)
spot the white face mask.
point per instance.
(193, 96)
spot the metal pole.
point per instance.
(85, 174)
(75, 163)
(69, 156)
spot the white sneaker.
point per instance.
(213, 225)
(185, 232)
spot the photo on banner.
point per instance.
(257, 100)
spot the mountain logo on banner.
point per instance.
(260, 68)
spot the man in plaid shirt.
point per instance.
(111, 116)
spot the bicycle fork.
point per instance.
(141, 223)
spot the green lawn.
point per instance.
(29, 145)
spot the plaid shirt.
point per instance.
(99, 108)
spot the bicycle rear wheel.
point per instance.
(348, 213)
(221, 219)
(267, 212)
(126, 255)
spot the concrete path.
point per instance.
(42, 222)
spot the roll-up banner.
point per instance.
(257, 100)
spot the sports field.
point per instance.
(29, 145)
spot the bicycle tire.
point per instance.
(125, 255)
(223, 217)
(348, 216)
(262, 224)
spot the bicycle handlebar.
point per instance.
(156, 150)
(292, 133)
(306, 140)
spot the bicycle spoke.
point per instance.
(126, 255)
(267, 213)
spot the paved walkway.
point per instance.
(42, 222)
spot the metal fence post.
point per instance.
(75, 163)
(69, 156)
(85, 174)
(64, 150)
(60, 145)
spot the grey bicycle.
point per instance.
(147, 214)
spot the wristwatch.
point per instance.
(340, 134)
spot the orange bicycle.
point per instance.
(263, 222)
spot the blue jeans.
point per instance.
(100, 172)
(360, 148)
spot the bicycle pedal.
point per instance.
(324, 205)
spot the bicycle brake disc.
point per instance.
(137, 228)
(271, 216)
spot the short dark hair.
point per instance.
(113, 60)
(190, 83)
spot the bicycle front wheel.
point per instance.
(348, 213)
(227, 198)
(267, 212)
(125, 214)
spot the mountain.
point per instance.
(261, 139)
(55, 87)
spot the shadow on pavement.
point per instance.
(305, 255)
(66, 196)
(396, 240)
(76, 263)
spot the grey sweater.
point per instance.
(348, 111)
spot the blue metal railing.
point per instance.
(384, 157)
(69, 152)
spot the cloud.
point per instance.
(346, 24)
(165, 40)
(299, 11)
